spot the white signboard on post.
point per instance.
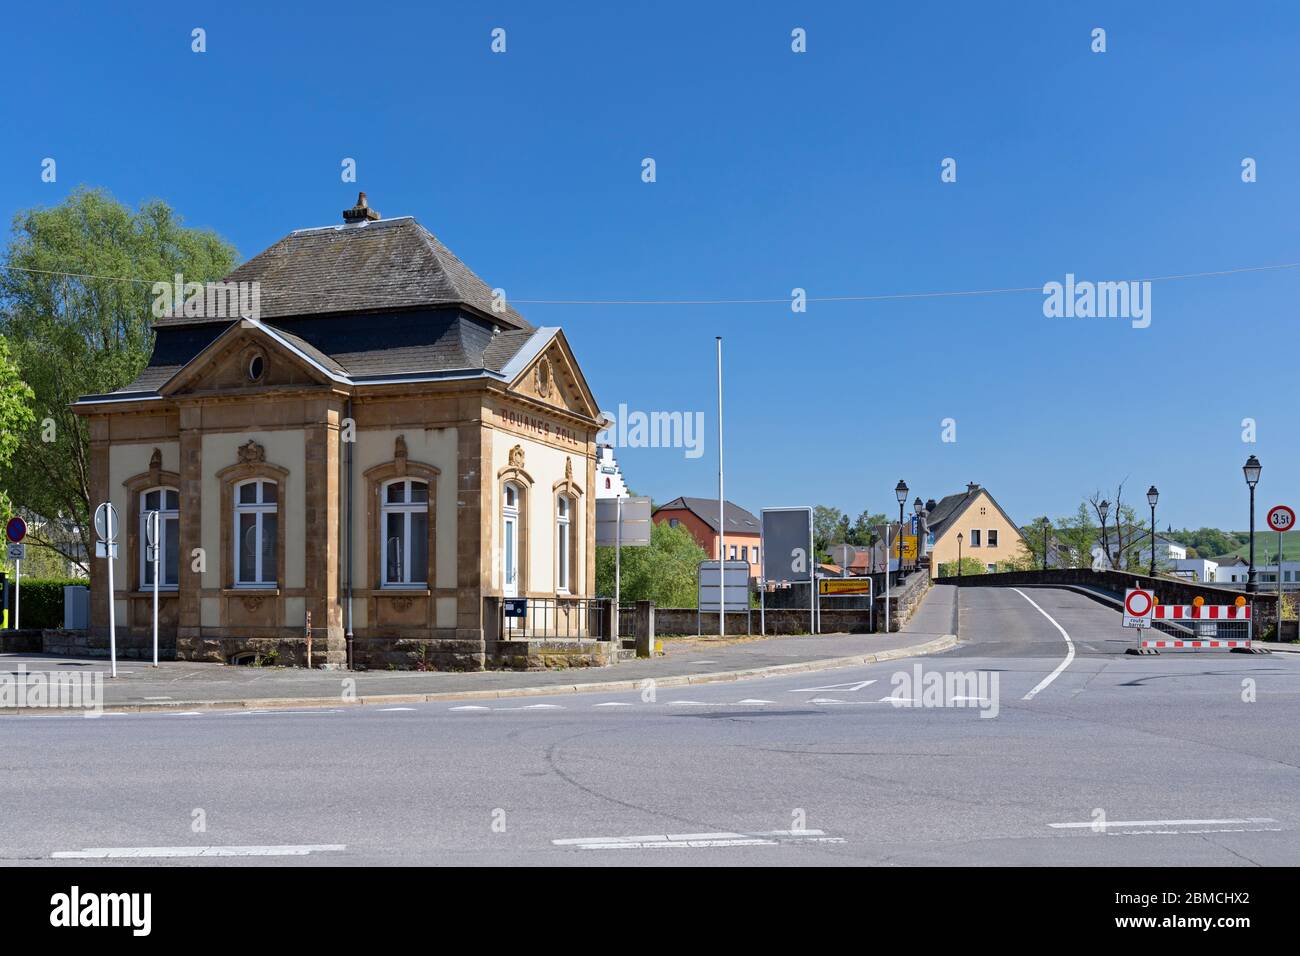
(106, 528)
(1139, 605)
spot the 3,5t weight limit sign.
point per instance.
(1281, 518)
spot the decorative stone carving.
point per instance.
(399, 448)
(251, 602)
(568, 468)
(517, 456)
(155, 460)
(251, 453)
(401, 604)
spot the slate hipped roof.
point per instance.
(372, 299)
(360, 267)
(739, 521)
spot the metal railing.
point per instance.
(556, 619)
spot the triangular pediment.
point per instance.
(553, 378)
(248, 355)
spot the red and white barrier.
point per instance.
(1206, 612)
(1194, 644)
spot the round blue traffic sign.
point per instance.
(16, 529)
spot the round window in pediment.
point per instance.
(544, 377)
(256, 367)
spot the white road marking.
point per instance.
(1108, 824)
(752, 700)
(535, 707)
(156, 852)
(851, 686)
(1069, 652)
(469, 707)
(613, 703)
(698, 840)
(701, 662)
(687, 703)
(157, 698)
(391, 710)
(826, 700)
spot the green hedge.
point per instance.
(41, 601)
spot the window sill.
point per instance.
(403, 590)
(262, 590)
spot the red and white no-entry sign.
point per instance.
(1281, 518)
(1138, 605)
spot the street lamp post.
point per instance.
(959, 540)
(1251, 470)
(1152, 496)
(900, 491)
(1047, 526)
(919, 507)
(1103, 509)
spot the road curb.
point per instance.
(938, 645)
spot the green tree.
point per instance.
(16, 416)
(968, 566)
(76, 304)
(665, 572)
(828, 527)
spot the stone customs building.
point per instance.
(385, 450)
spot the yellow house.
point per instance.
(988, 533)
(378, 446)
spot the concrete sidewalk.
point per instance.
(182, 685)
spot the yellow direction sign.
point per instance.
(844, 586)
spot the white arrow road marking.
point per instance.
(851, 686)
(1069, 652)
(155, 852)
(1109, 824)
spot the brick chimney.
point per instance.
(361, 212)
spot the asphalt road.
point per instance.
(815, 769)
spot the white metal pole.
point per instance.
(722, 515)
(900, 531)
(618, 566)
(18, 580)
(812, 581)
(156, 524)
(112, 601)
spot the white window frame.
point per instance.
(407, 508)
(563, 542)
(260, 508)
(976, 537)
(510, 555)
(163, 514)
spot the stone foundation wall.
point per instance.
(549, 655)
(418, 653)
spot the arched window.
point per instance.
(406, 533)
(510, 540)
(166, 501)
(256, 530)
(563, 541)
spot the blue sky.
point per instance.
(774, 171)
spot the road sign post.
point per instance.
(15, 531)
(106, 529)
(1281, 519)
(151, 530)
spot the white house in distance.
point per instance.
(609, 479)
(1168, 552)
(1196, 569)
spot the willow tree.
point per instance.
(75, 305)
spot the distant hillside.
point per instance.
(1212, 543)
